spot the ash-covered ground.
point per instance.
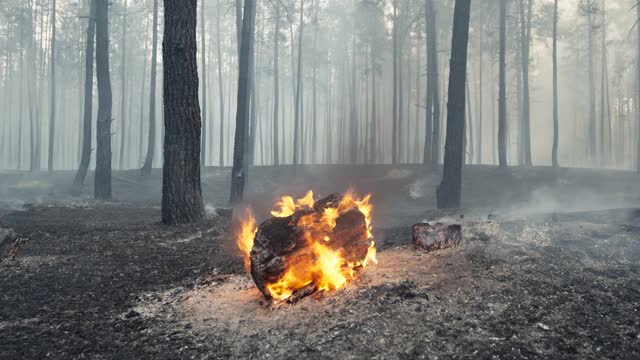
(550, 268)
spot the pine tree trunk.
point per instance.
(102, 183)
(297, 126)
(554, 150)
(151, 144)
(181, 188)
(85, 159)
(394, 132)
(637, 94)
(276, 87)
(592, 93)
(203, 145)
(220, 85)
(450, 190)
(52, 105)
(123, 74)
(238, 173)
(525, 43)
(480, 92)
(502, 101)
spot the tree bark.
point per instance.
(276, 86)
(525, 43)
(85, 159)
(554, 150)
(502, 101)
(123, 95)
(52, 105)
(450, 190)
(102, 181)
(238, 173)
(220, 86)
(181, 188)
(297, 127)
(203, 145)
(151, 144)
(592, 91)
(394, 132)
(432, 138)
(637, 95)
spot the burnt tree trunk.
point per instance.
(502, 96)
(123, 92)
(238, 173)
(433, 96)
(554, 150)
(52, 105)
(181, 188)
(151, 144)
(276, 86)
(88, 103)
(102, 183)
(203, 145)
(450, 189)
(220, 87)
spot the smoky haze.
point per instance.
(346, 48)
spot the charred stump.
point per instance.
(10, 243)
(281, 243)
(432, 237)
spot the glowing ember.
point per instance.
(323, 246)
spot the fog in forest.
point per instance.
(339, 179)
(348, 51)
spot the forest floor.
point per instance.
(555, 274)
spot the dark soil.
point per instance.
(550, 268)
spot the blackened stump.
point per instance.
(428, 238)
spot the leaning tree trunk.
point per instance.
(102, 183)
(181, 188)
(450, 189)
(238, 173)
(88, 103)
(151, 144)
(502, 101)
(52, 105)
(554, 150)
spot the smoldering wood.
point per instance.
(10, 244)
(428, 237)
(281, 241)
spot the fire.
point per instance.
(324, 267)
(247, 234)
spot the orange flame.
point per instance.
(325, 267)
(246, 236)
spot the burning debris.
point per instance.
(308, 246)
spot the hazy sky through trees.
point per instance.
(348, 48)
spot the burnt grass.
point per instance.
(561, 281)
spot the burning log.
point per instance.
(428, 238)
(10, 243)
(310, 246)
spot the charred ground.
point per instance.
(555, 274)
